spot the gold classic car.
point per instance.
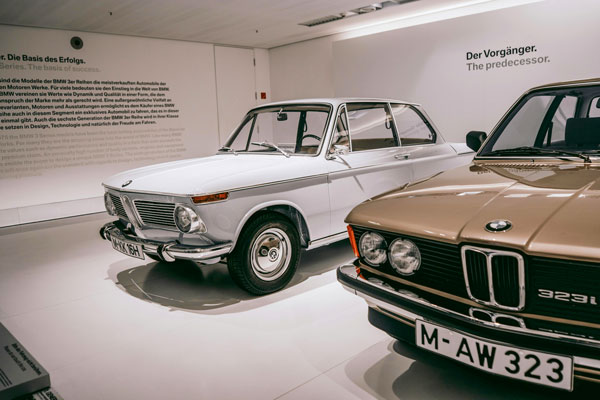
(497, 264)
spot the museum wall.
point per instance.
(434, 63)
(70, 117)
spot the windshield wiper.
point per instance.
(271, 146)
(527, 150)
(228, 149)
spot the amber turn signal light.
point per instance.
(353, 241)
(209, 198)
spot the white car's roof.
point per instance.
(335, 101)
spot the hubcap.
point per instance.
(270, 254)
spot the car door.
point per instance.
(422, 146)
(364, 158)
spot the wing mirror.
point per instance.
(475, 139)
(338, 150)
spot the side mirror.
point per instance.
(475, 139)
(338, 150)
(281, 116)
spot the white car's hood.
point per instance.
(216, 173)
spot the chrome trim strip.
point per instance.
(349, 270)
(172, 249)
(258, 185)
(327, 240)
(494, 316)
(489, 255)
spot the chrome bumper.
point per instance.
(169, 251)
(349, 272)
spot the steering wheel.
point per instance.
(309, 135)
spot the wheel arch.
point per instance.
(287, 209)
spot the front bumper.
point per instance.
(396, 312)
(167, 251)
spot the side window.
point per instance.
(370, 126)
(556, 131)
(594, 108)
(411, 127)
(340, 135)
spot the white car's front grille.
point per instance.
(118, 205)
(156, 213)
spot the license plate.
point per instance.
(533, 366)
(127, 248)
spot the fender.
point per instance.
(262, 206)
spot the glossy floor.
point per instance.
(111, 327)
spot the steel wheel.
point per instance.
(270, 254)
(266, 254)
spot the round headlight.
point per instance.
(187, 220)
(110, 206)
(405, 256)
(373, 248)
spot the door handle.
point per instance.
(401, 156)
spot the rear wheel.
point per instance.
(266, 255)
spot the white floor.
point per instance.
(111, 327)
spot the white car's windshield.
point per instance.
(553, 122)
(287, 130)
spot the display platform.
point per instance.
(20, 373)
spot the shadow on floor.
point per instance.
(185, 285)
(422, 375)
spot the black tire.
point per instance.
(266, 255)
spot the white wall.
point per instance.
(424, 60)
(50, 172)
(302, 70)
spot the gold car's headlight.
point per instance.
(404, 256)
(373, 248)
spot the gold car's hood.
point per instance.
(554, 208)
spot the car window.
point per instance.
(267, 124)
(522, 129)
(411, 126)
(370, 126)
(340, 133)
(556, 130)
(594, 108)
(293, 129)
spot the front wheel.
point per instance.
(266, 255)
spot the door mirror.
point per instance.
(340, 149)
(475, 139)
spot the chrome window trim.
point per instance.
(489, 255)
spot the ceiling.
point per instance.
(249, 23)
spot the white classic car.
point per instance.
(285, 180)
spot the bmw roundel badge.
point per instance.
(498, 225)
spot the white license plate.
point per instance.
(127, 248)
(533, 366)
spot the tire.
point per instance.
(266, 255)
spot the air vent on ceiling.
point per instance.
(357, 11)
